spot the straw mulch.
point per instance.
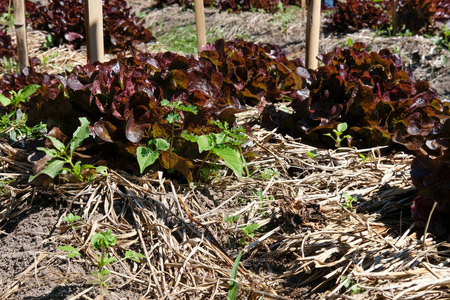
(308, 239)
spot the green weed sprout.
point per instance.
(338, 138)
(13, 124)
(349, 200)
(249, 231)
(233, 286)
(63, 154)
(71, 219)
(102, 241)
(351, 284)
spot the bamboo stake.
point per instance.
(93, 15)
(312, 34)
(394, 17)
(200, 23)
(303, 5)
(20, 25)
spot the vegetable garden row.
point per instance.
(146, 112)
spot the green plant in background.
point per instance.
(233, 286)
(338, 138)
(102, 241)
(63, 154)
(249, 232)
(49, 41)
(268, 173)
(71, 219)
(365, 158)
(7, 19)
(286, 16)
(183, 38)
(10, 65)
(232, 219)
(351, 284)
(349, 200)
(13, 124)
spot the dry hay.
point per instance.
(307, 237)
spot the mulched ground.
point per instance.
(307, 242)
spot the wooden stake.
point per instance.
(93, 16)
(20, 25)
(200, 23)
(312, 34)
(394, 17)
(303, 4)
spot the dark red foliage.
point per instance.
(353, 15)
(252, 73)
(65, 21)
(6, 48)
(381, 103)
(417, 16)
(235, 6)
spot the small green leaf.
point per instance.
(80, 134)
(102, 170)
(5, 101)
(52, 170)
(312, 153)
(133, 256)
(189, 136)
(161, 144)
(146, 157)
(103, 239)
(72, 251)
(57, 143)
(232, 159)
(205, 143)
(342, 127)
(233, 286)
(23, 94)
(252, 227)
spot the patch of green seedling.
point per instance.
(232, 219)
(62, 155)
(13, 124)
(268, 173)
(71, 219)
(249, 232)
(102, 241)
(365, 158)
(233, 286)
(349, 200)
(351, 285)
(338, 134)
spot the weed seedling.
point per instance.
(351, 284)
(312, 153)
(63, 155)
(71, 219)
(349, 200)
(249, 231)
(233, 285)
(338, 138)
(232, 219)
(13, 124)
(268, 174)
(102, 241)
